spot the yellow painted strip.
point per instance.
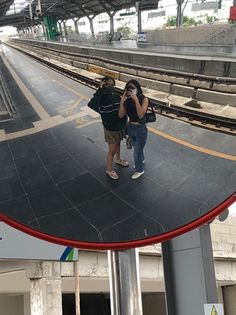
(110, 73)
(192, 146)
(95, 69)
(70, 89)
(103, 71)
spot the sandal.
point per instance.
(112, 174)
(122, 162)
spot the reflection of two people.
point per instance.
(114, 111)
(117, 36)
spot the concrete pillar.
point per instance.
(124, 278)
(60, 28)
(112, 25)
(229, 297)
(91, 26)
(45, 288)
(189, 272)
(65, 29)
(77, 288)
(76, 26)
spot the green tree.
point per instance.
(171, 21)
(209, 19)
(188, 21)
(69, 29)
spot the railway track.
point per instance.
(194, 117)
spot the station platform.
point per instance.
(52, 168)
(190, 60)
(209, 50)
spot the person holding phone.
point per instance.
(106, 102)
(134, 105)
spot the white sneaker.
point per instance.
(136, 175)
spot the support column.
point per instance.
(229, 298)
(76, 25)
(189, 272)
(124, 278)
(139, 15)
(60, 28)
(77, 288)
(45, 288)
(112, 25)
(91, 26)
(179, 12)
(65, 29)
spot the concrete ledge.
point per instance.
(80, 65)
(122, 69)
(181, 90)
(150, 84)
(231, 88)
(172, 79)
(200, 83)
(149, 75)
(67, 61)
(216, 97)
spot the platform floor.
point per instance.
(52, 166)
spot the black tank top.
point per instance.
(131, 108)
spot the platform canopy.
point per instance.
(4, 6)
(72, 9)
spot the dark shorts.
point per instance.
(114, 137)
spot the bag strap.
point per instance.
(150, 105)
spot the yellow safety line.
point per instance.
(71, 90)
(192, 146)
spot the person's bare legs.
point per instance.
(118, 152)
(112, 150)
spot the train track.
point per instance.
(194, 117)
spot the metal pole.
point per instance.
(77, 288)
(139, 13)
(124, 277)
(30, 9)
(189, 272)
(179, 12)
(39, 6)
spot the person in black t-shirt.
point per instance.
(106, 102)
(134, 105)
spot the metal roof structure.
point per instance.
(70, 9)
(4, 6)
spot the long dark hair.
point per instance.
(138, 87)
